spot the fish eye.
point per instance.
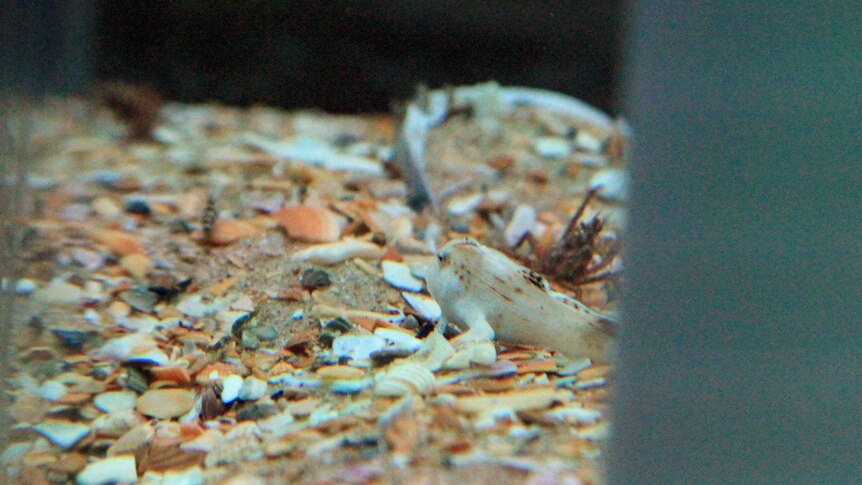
(441, 258)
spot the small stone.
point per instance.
(72, 338)
(62, 433)
(250, 340)
(266, 333)
(140, 299)
(25, 286)
(106, 207)
(314, 278)
(398, 275)
(230, 388)
(116, 469)
(110, 402)
(52, 390)
(252, 389)
(458, 206)
(61, 293)
(552, 147)
(243, 304)
(138, 206)
(255, 411)
(165, 403)
(137, 265)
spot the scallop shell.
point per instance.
(404, 378)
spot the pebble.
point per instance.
(72, 338)
(230, 388)
(137, 265)
(250, 340)
(357, 347)
(165, 403)
(138, 206)
(613, 183)
(118, 242)
(252, 389)
(552, 147)
(106, 207)
(587, 142)
(398, 275)
(424, 305)
(110, 402)
(523, 221)
(458, 206)
(314, 278)
(25, 286)
(62, 433)
(266, 333)
(52, 390)
(61, 293)
(115, 469)
(140, 299)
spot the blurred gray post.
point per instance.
(741, 360)
(45, 48)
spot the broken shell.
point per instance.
(309, 223)
(552, 147)
(165, 403)
(574, 415)
(425, 305)
(398, 340)
(62, 433)
(116, 469)
(208, 440)
(230, 388)
(137, 265)
(336, 252)
(133, 440)
(523, 220)
(118, 242)
(398, 275)
(586, 141)
(403, 378)
(115, 401)
(357, 347)
(227, 231)
(339, 372)
(538, 398)
(464, 204)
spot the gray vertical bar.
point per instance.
(741, 360)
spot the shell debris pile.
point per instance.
(242, 296)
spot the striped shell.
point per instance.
(404, 378)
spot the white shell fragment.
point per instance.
(110, 402)
(396, 339)
(464, 204)
(52, 390)
(252, 389)
(62, 433)
(336, 252)
(523, 221)
(552, 147)
(189, 476)
(116, 469)
(357, 347)
(425, 305)
(230, 388)
(588, 142)
(404, 378)
(574, 414)
(613, 183)
(317, 152)
(398, 275)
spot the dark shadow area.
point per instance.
(355, 56)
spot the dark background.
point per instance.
(339, 56)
